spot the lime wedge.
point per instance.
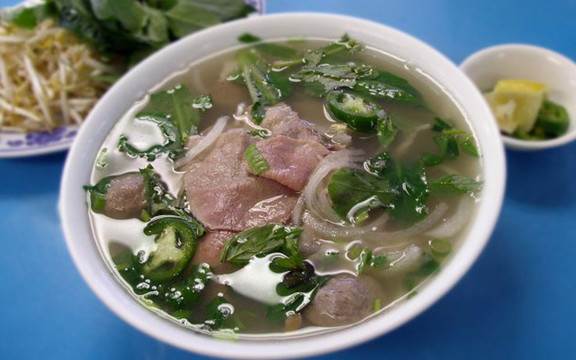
(516, 102)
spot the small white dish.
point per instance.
(519, 61)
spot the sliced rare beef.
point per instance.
(344, 299)
(208, 251)
(281, 120)
(291, 161)
(223, 195)
(125, 197)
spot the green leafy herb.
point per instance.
(130, 28)
(202, 102)
(248, 38)
(264, 86)
(28, 17)
(219, 310)
(386, 130)
(176, 106)
(401, 188)
(256, 160)
(172, 144)
(297, 299)
(454, 184)
(348, 188)
(410, 180)
(450, 141)
(186, 292)
(258, 241)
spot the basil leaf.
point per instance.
(172, 144)
(28, 17)
(387, 131)
(203, 102)
(174, 105)
(454, 184)
(347, 188)
(258, 241)
(412, 187)
(248, 38)
(130, 14)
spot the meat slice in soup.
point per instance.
(344, 299)
(291, 161)
(125, 197)
(282, 120)
(209, 248)
(224, 195)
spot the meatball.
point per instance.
(125, 197)
(343, 300)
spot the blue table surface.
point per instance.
(517, 302)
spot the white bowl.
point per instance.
(518, 61)
(133, 86)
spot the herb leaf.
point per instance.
(174, 105)
(387, 131)
(258, 241)
(348, 188)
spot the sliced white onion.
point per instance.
(456, 222)
(315, 195)
(203, 144)
(331, 231)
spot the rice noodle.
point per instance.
(206, 141)
(315, 197)
(456, 222)
(404, 259)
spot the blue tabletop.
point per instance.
(517, 302)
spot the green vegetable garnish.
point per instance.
(440, 247)
(175, 245)
(133, 29)
(256, 161)
(358, 112)
(258, 241)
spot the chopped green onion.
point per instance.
(256, 161)
(377, 304)
(440, 247)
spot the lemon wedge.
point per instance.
(516, 102)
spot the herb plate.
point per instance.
(21, 144)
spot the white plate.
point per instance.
(17, 144)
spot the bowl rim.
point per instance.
(105, 286)
(511, 142)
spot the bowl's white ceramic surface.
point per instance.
(133, 86)
(518, 61)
